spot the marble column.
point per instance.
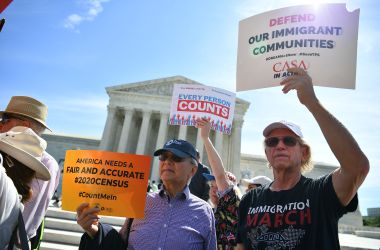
(182, 134)
(161, 139)
(235, 166)
(219, 142)
(123, 141)
(143, 132)
(199, 144)
(108, 129)
(219, 146)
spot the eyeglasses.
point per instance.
(289, 141)
(7, 118)
(172, 157)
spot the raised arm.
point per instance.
(216, 163)
(354, 165)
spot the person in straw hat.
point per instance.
(29, 112)
(20, 162)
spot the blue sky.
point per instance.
(66, 52)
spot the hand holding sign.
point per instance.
(204, 125)
(301, 82)
(114, 182)
(88, 219)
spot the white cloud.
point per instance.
(92, 8)
(72, 21)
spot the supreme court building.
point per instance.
(137, 123)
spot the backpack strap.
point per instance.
(22, 234)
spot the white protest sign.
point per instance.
(190, 102)
(321, 39)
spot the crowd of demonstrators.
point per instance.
(295, 212)
(174, 218)
(31, 113)
(255, 182)
(290, 212)
(224, 194)
(198, 185)
(20, 153)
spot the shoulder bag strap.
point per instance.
(130, 220)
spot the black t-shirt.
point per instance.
(304, 217)
(198, 185)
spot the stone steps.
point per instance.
(62, 231)
(55, 246)
(368, 234)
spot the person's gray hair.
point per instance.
(195, 164)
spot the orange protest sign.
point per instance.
(115, 182)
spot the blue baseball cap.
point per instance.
(209, 177)
(180, 148)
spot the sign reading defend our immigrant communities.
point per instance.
(321, 39)
(114, 182)
(191, 101)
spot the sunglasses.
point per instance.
(7, 118)
(289, 141)
(172, 157)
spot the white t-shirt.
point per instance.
(10, 204)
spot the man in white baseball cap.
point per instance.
(295, 212)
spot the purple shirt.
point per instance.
(183, 222)
(35, 209)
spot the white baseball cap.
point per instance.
(260, 179)
(283, 124)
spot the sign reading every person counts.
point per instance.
(191, 101)
(321, 39)
(114, 182)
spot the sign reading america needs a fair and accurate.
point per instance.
(114, 182)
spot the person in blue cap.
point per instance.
(174, 218)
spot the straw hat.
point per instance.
(27, 147)
(28, 107)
